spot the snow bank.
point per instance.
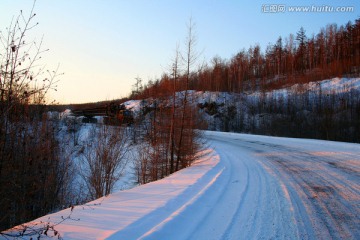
(146, 205)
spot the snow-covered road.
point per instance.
(250, 187)
(295, 188)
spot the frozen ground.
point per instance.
(248, 187)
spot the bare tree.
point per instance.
(171, 141)
(189, 60)
(175, 73)
(105, 159)
(31, 169)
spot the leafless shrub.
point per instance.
(104, 159)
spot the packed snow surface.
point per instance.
(247, 187)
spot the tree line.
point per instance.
(333, 52)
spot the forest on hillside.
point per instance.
(295, 60)
(333, 52)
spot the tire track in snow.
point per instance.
(199, 215)
(180, 209)
(259, 198)
(234, 190)
(320, 187)
(330, 196)
(237, 213)
(221, 200)
(331, 216)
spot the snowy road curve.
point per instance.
(248, 187)
(296, 188)
(272, 188)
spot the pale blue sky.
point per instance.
(102, 45)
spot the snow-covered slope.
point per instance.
(247, 187)
(243, 112)
(328, 86)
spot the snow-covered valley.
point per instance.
(246, 187)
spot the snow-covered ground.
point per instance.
(247, 187)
